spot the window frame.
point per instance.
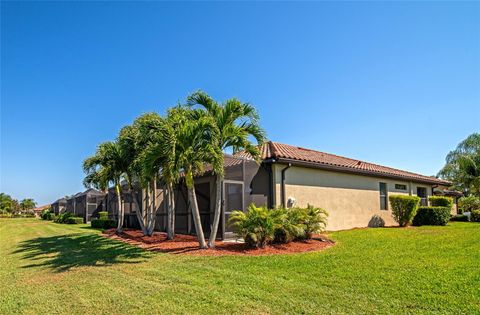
(383, 195)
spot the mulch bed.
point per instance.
(188, 244)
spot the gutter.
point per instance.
(282, 185)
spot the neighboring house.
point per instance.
(38, 210)
(83, 204)
(59, 206)
(355, 193)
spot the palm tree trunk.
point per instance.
(139, 211)
(196, 217)
(218, 211)
(120, 209)
(153, 210)
(170, 212)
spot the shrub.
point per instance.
(475, 215)
(63, 217)
(441, 201)
(288, 224)
(459, 217)
(103, 215)
(47, 215)
(432, 216)
(467, 204)
(103, 223)
(256, 226)
(315, 220)
(74, 220)
(404, 208)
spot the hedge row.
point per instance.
(475, 215)
(103, 223)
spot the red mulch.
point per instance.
(188, 244)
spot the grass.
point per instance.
(49, 268)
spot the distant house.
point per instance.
(83, 204)
(354, 192)
(38, 210)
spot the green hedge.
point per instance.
(103, 215)
(404, 208)
(475, 215)
(460, 218)
(440, 201)
(74, 220)
(103, 223)
(432, 216)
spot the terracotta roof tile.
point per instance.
(280, 151)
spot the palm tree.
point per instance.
(105, 167)
(462, 165)
(27, 204)
(161, 157)
(195, 145)
(236, 123)
(145, 130)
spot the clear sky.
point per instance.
(391, 83)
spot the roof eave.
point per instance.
(342, 169)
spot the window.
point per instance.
(383, 196)
(422, 193)
(400, 187)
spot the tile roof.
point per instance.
(280, 151)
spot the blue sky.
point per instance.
(391, 83)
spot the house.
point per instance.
(84, 204)
(38, 210)
(59, 206)
(355, 193)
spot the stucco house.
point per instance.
(355, 193)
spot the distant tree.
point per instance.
(6, 203)
(27, 204)
(462, 166)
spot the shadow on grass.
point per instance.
(64, 252)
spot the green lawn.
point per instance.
(50, 268)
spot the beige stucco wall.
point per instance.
(351, 200)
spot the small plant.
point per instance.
(103, 215)
(432, 216)
(74, 220)
(467, 204)
(256, 226)
(288, 224)
(404, 208)
(315, 220)
(441, 201)
(475, 215)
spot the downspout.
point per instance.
(282, 186)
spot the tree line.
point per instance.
(172, 148)
(9, 205)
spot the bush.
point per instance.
(475, 215)
(460, 218)
(404, 208)
(467, 204)
(432, 216)
(256, 226)
(74, 220)
(103, 223)
(47, 215)
(315, 220)
(103, 215)
(288, 224)
(63, 217)
(441, 201)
